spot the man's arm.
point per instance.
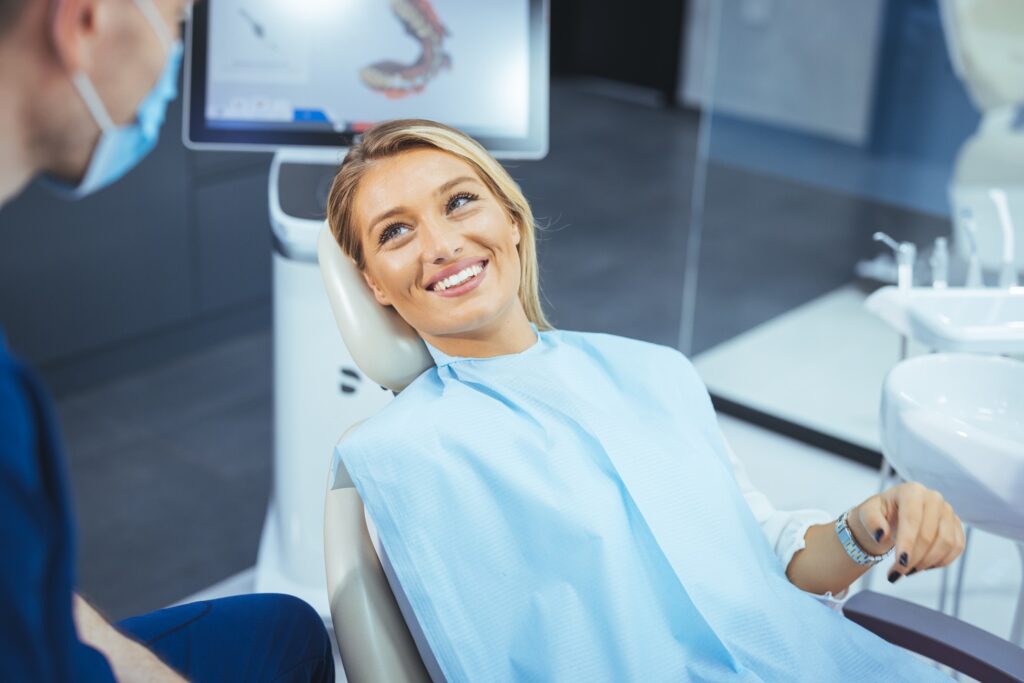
(129, 659)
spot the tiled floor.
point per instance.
(790, 367)
(171, 471)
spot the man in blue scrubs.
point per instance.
(83, 89)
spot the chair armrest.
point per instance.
(946, 640)
(374, 642)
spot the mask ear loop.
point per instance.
(152, 14)
(92, 101)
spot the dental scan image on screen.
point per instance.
(342, 65)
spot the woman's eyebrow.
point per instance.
(439, 191)
(452, 183)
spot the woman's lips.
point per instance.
(467, 286)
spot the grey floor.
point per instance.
(171, 473)
(171, 466)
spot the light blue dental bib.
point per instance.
(569, 513)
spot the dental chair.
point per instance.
(376, 629)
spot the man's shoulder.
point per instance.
(17, 418)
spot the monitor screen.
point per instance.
(265, 74)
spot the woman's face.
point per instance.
(438, 245)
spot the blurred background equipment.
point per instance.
(305, 80)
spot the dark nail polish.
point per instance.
(912, 571)
(903, 560)
(893, 577)
(878, 535)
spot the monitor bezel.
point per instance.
(197, 135)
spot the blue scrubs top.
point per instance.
(37, 570)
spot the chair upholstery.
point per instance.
(384, 346)
(372, 636)
(967, 649)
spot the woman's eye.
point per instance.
(391, 232)
(468, 196)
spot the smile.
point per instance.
(461, 282)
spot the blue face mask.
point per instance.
(120, 148)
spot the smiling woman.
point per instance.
(443, 234)
(561, 505)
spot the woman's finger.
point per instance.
(923, 554)
(871, 516)
(944, 549)
(909, 514)
(958, 542)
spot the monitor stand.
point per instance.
(318, 391)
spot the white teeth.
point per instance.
(459, 277)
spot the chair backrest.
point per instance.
(375, 643)
(383, 346)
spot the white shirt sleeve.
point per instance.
(785, 530)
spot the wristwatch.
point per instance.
(853, 549)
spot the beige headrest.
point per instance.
(384, 346)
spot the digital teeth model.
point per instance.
(458, 278)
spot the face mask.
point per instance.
(120, 148)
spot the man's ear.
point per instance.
(378, 293)
(73, 27)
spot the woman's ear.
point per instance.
(518, 233)
(378, 293)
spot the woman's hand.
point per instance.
(916, 520)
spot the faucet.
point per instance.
(1008, 271)
(940, 263)
(974, 276)
(905, 253)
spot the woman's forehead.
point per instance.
(424, 165)
(406, 178)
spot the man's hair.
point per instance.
(10, 10)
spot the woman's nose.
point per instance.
(440, 242)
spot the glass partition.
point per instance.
(825, 122)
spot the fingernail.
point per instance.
(878, 535)
(893, 577)
(912, 571)
(903, 560)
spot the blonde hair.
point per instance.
(390, 138)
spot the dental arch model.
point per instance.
(395, 80)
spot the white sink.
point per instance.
(955, 319)
(955, 423)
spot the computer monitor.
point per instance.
(267, 74)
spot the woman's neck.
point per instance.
(511, 333)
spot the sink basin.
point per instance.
(955, 319)
(955, 423)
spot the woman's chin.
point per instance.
(470, 317)
(464, 323)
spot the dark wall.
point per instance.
(177, 254)
(636, 43)
(174, 255)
